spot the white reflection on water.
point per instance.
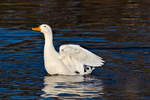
(72, 86)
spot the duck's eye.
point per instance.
(44, 26)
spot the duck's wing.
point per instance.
(74, 53)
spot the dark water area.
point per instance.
(116, 30)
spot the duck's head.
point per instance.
(44, 28)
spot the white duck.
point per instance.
(71, 59)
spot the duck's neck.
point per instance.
(49, 50)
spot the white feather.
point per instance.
(81, 55)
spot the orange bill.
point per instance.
(36, 29)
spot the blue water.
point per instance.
(118, 31)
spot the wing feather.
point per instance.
(80, 55)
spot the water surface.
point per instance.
(118, 31)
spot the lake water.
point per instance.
(116, 30)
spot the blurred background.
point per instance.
(116, 30)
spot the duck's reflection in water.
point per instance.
(72, 87)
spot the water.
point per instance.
(116, 30)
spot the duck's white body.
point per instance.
(71, 59)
